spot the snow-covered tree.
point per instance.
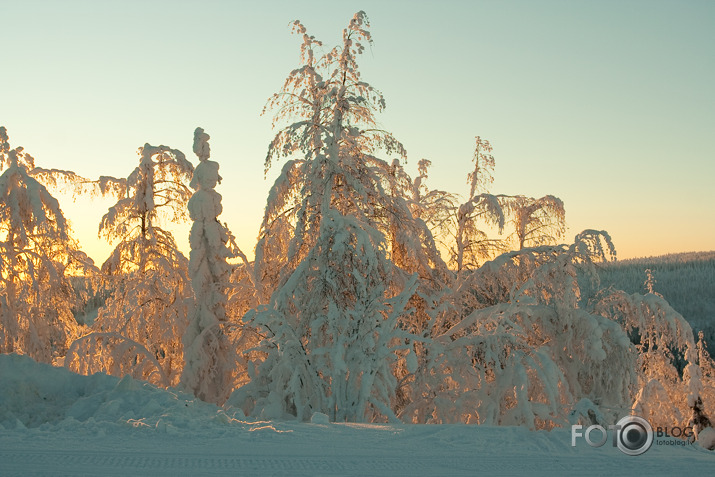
(482, 177)
(37, 257)
(330, 331)
(207, 348)
(331, 324)
(149, 274)
(536, 222)
(432, 206)
(329, 108)
(669, 374)
(302, 97)
(413, 239)
(471, 245)
(650, 282)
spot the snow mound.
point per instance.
(36, 395)
(319, 418)
(706, 438)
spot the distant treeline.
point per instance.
(686, 281)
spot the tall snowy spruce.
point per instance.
(138, 331)
(331, 324)
(207, 372)
(37, 259)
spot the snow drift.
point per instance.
(36, 395)
(53, 421)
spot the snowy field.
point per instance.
(53, 422)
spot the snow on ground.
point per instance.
(53, 422)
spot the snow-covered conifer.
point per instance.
(207, 372)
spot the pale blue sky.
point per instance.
(609, 105)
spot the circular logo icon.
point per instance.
(634, 435)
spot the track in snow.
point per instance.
(176, 461)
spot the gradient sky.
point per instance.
(609, 105)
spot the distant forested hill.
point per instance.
(686, 280)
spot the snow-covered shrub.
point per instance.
(113, 353)
(669, 377)
(525, 352)
(484, 371)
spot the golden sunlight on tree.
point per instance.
(147, 273)
(536, 221)
(37, 258)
